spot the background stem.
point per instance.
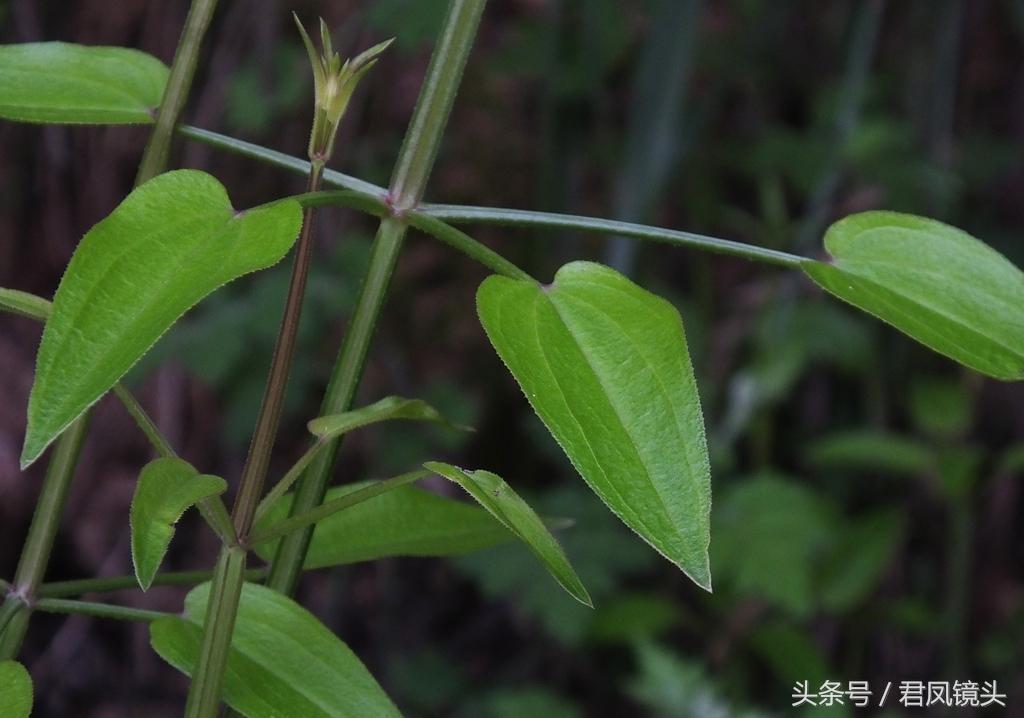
(183, 69)
(35, 554)
(415, 160)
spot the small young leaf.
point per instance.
(283, 662)
(934, 282)
(170, 243)
(387, 409)
(59, 83)
(166, 489)
(491, 491)
(604, 364)
(402, 522)
(15, 690)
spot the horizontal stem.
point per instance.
(98, 610)
(429, 225)
(458, 214)
(328, 508)
(78, 587)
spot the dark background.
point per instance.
(867, 498)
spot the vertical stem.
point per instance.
(42, 531)
(35, 554)
(415, 161)
(255, 471)
(228, 577)
(183, 68)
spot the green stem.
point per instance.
(308, 518)
(106, 584)
(98, 610)
(407, 185)
(35, 553)
(183, 68)
(208, 678)
(373, 202)
(553, 220)
(451, 236)
(291, 476)
(222, 606)
(144, 422)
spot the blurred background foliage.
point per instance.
(867, 499)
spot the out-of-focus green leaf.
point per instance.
(1012, 460)
(387, 409)
(59, 83)
(933, 282)
(283, 662)
(15, 690)
(669, 686)
(959, 470)
(402, 522)
(871, 451)
(768, 532)
(604, 364)
(526, 701)
(494, 494)
(165, 490)
(940, 407)
(170, 243)
(858, 561)
(633, 617)
(790, 653)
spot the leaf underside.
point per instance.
(605, 366)
(935, 283)
(15, 690)
(495, 495)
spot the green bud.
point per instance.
(333, 85)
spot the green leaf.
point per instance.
(859, 560)
(59, 83)
(166, 489)
(387, 409)
(940, 407)
(768, 533)
(871, 451)
(504, 504)
(402, 522)
(283, 661)
(170, 243)
(933, 282)
(15, 690)
(26, 304)
(605, 365)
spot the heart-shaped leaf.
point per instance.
(405, 521)
(605, 365)
(283, 662)
(60, 83)
(931, 281)
(504, 504)
(15, 690)
(166, 489)
(170, 243)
